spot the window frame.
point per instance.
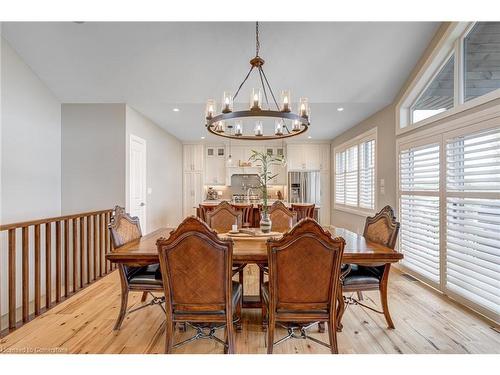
(482, 120)
(356, 141)
(451, 42)
(431, 79)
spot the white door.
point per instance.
(137, 180)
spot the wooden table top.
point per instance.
(253, 249)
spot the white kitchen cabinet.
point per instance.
(303, 157)
(278, 170)
(192, 192)
(193, 157)
(215, 165)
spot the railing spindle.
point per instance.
(58, 261)
(96, 250)
(82, 251)
(89, 223)
(66, 258)
(48, 265)
(25, 274)
(37, 269)
(75, 255)
(12, 278)
(106, 241)
(101, 245)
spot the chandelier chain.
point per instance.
(257, 42)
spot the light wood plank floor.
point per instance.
(425, 322)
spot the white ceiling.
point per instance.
(158, 66)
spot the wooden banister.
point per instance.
(78, 242)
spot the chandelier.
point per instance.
(229, 122)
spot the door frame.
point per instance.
(135, 138)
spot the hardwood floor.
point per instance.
(425, 323)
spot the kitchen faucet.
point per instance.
(248, 194)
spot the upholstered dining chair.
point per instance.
(303, 287)
(382, 229)
(222, 217)
(303, 210)
(198, 284)
(123, 229)
(282, 219)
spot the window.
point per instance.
(449, 209)
(463, 71)
(419, 209)
(482, 62)
(355, 174)
(473, 218)
(439, 94)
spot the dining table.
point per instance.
(252, 249)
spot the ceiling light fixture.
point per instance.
(229, 122)
(340, 109)
(176, 109)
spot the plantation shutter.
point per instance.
(351, 176)
(340, 177)
(367, 174)
(473, 217)
(419, 209)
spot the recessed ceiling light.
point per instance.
(340, 109)
(176, 109)
(309, 137)
(202, 137)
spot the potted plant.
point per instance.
(265, 161)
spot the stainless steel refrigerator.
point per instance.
(304, 187)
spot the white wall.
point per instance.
(93, 150)
(30, 148)
(31, 143)
(164, 170)
(386, 166)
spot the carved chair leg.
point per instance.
(169, 337)
(230, 334)
(332, 335)
(340, 309)
(262, 303)
(270, 334)
(360, 295)
(383, 296)
(238, 314)
(144, 296)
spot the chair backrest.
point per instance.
(282, 219)
(203, 209)
(304, 210)
(222, 217)
(382, 228)
(246, 211)
(123, 227)
(196, 267)
(304, 268)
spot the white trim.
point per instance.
(371, 134)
